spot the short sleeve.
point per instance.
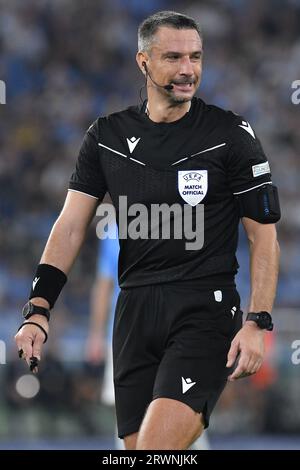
(88, 176)
(247, 164)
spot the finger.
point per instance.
(244, 375)
(36, 353)
(241, 375)
(20, 347)
(24, 343)
(250, 366)
(34, 362)
(20, 353)
(232, 355)
(237, 374)
(37, 346)
(256, 367)
(23, 353)
(27, 350)
(254, 364)
(241, 368)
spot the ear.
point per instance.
(142, 61)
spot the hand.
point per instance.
(249, 344)
(95, 348)
(30, 339)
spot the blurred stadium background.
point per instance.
(64, 63)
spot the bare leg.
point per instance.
(169, 424)
(130, 441)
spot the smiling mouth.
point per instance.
(183, 86)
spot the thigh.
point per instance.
(169, 425)
(130, 441)
(193, 368)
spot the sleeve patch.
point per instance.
(261, 169)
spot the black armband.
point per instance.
(48, 283)
(260, 204)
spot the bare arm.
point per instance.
(63, 245)
(264, 262)
(67, 234)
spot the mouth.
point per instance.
(184, 87)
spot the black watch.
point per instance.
(29, 309)
(262, 319)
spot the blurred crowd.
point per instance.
(65, 62)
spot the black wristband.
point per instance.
(36, 324)
(48, 283)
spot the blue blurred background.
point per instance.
(64, 63)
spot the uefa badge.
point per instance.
(192, 185)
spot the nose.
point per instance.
(186, 66)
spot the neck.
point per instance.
(164, 111)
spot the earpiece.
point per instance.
(166, 87)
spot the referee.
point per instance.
(178, 331)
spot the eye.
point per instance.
(196, 57)
(173, 56)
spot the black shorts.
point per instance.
(171, 341)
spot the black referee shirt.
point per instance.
(127, 154)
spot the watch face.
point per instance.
(264, 320)
(27, 309)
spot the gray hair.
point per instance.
(171, 19)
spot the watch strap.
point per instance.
(37, 310)
(41, 310)
(252, 316)
(257, 317)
